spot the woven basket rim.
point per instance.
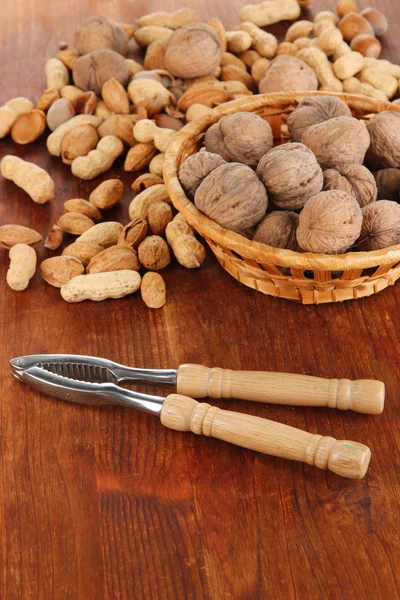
(235, 242)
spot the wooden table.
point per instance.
(108, 503)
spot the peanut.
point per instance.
(78, 205)
(57, 75)
(78, 142)
(188, 251)
(154, 253)
(133, 233)
(99, 160)
(107, 194)
(100, 286)
(46, 99)
(383, 65)
(10, 112)
(228, 58)
(349, 65)
(153, 290)
(36, 182)
(322, 26)
(71, 92)
(287, 48)
(196, 110)
(302, 42)
(381, 81)
(58, 270)
(318, 61)
(145, 92)
(139, 156)
(82, 250)
(259, 68)
(139, 206)
(147, 131)
(115, 258)
(220, 31)
(232, 73)
(152, 33)
(28, 126)
(22, 267)
(366, 44)
(262, 42)
(54, 140)
(326, 15)
(74, 223)
(156, 165)
(238, 41)
(115, 96)
(174, 20)
(271, 11)
(249, 57)
(11, 234)
(341, 50)
(298, 30)
(159, 215)
(54, 238)
(103, 234)
(328, 40)
(354, 86)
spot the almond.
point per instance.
(10, 235)
(54, 238)
(115, 258)
(139, 156)
(133, 233)
(107, 194)
(84, 207)
(58, 270)
(75, 223)
(153, 290)
(115, 96)
(78, 142)
(82, 250)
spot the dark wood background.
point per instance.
(109, 504)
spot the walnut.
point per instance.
(356, 180)
(384, 150)
(193, 51)
(388, 183)
(291, 175)
(330, 223)
(288, 74)
(380, 226)
(195, 168)
(278, 229)
(242, 137)
(339, 141)
(233, 196)
(92, 70)
(97, 33)
(313, 110)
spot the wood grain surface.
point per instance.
(109, 504)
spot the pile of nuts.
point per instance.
(323, 198)
(100, 105)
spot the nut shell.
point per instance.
(193, 51)
(291, 175)
(196, 168)
(380, 226)
(312, 111)
(278, 229)
(384, 150)
(329, 223)
(339, 141)
(98, 33)
(92, 70)
(241, 137)
(233, 196)
(356, 180)
(288, 74)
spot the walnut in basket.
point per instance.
(380, 226)
(196, 168)
(384, 151)
(356, 180)
(339, 141)
(388, 184)
(278, 229)
(291, 175)
(313, 110)
(329, 223)
(233, 196)
(241, 137)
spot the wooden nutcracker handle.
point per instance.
(349, 459)
(363, 395)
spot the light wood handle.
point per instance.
(363, 395)
(345, 458)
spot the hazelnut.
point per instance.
(353, 24)
(388, 183)
(338, 141)
(288, 74)
(356, 180)
(313, 110)
(380, 226)
(233, 196)
(384, 150)
(193, 51)
(329, 223)
(378, 20)
(92, 70)
(278, 229)
(345, 6)
(367, 45)
(291, 175)
(195, 168)
(242, 137)
(98, 33)
(154, 253)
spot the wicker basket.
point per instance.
(302, 277)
